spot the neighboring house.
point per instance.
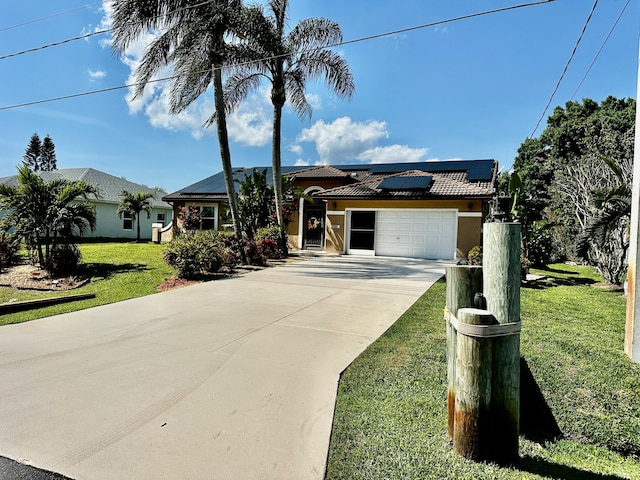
(429, 210)
(108, 223)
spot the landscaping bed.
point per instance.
(28, 277)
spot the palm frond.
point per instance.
(296, 82)
(313, 34)
(237, 88)
(331, 66)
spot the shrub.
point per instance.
(268, 240)
(9, 248)
(474, 256)
(541, 246)
(271, 233)
(197, 254)
(245, 249)
(268, 248)
(64, 259)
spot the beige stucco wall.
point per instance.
(469, 227)
(469, 234)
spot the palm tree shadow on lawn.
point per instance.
(108, 270)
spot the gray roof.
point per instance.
(213, 188)
(109, 186)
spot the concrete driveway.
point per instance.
(232, 379)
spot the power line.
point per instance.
(566, 67)
(55, 44)
(91, 34)
(29, 22)
(348, 42)
(615, 24)
(441, 22)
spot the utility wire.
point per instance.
(48, 17)
(91, 34)
(566, 67)
(615, 24)
(55, 44)
(107, 30)
(348, 42)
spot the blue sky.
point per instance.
(463, 90)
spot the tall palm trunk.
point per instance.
(276, 166)
(278, 98)
(225, 153)
(137, 228)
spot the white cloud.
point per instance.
(346, 141)
(297, 149)
(96, 74)
(315, 101)
(343, 140)
(251, 124)
(302, 163)
(393, 154)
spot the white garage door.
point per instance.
(416, 233)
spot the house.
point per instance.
(428, 210)
(108, 223)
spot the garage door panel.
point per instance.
(418, 233)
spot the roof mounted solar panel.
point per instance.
(480, 171)
(406, 183)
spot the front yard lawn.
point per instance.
(119, 271)
(391, 412)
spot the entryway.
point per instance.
(313, 227)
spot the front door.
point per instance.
(313, 226)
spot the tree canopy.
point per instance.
(133, 204)
(582, 158)
(47, 214)
(190, 36)
(287, 60)
(40, 155)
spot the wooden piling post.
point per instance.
(463, 282)
(501, 278)
(472, 426)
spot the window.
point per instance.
(160, 218)
(208, 218)
(127, 222)
(363, 225)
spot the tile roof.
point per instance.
(441, 186)
(109, 186)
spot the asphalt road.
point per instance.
(12, 470)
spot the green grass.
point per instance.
(391, 416)
(119, 271)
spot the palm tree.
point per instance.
(192, 40)
(47, 213)
(287, 61)
(608, 230)
(134, 204)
